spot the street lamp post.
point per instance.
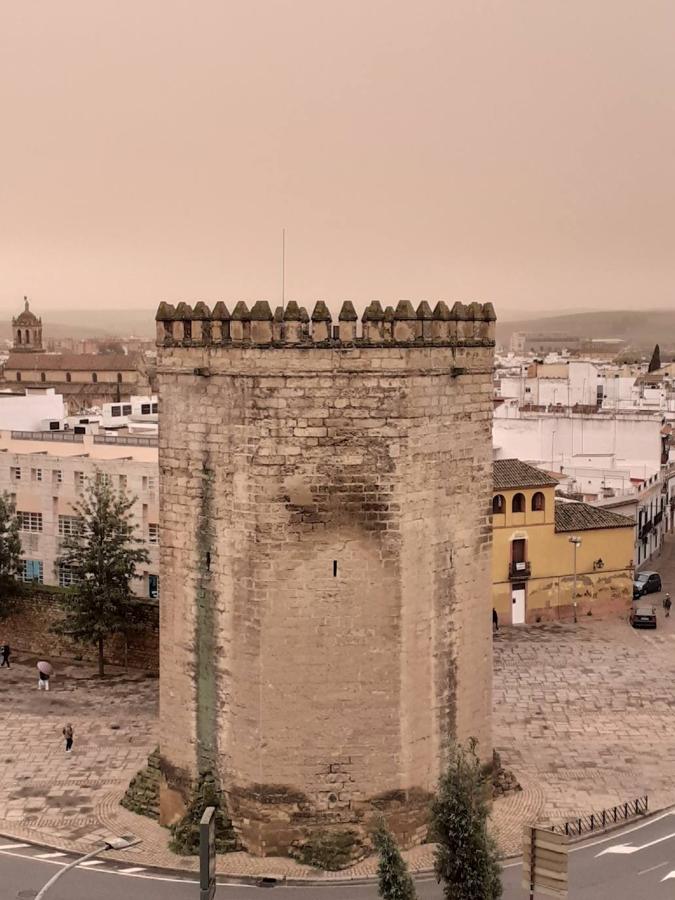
(575, 542)
(112, 844)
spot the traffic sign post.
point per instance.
(544, 862)
(207, 854)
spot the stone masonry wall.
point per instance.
(326, 596)
(28, 630)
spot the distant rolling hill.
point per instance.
(60, 323)
(640, 330)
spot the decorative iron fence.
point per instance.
(599, 820)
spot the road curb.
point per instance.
(326, 881)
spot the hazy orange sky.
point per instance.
(520, 151)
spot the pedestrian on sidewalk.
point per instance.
(4, 656)
(495, 620)
(667, 603)
(44, 671)
(68, 735)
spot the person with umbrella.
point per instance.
(44, 671)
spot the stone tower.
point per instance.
(27, 331)
(325, 559)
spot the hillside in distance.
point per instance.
(640, 330)
(62, 323)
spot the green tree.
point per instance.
(102, 556)
(11, 564)
(655, 361)
(393, 878)
(466, 855)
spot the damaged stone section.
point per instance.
(283, 821)
(185, 833)
(142, 795)
(503, 781)
(331, 850)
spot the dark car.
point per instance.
(643, 617)
(646, 583)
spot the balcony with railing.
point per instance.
(518, 570)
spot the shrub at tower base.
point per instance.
(185, 834)
(466, 855)
(393, 879)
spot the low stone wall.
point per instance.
(603, 594)
(29, 630)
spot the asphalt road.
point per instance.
(637, 862)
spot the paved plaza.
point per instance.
(584, 717)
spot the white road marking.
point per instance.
(669, 875)
(90, 863)
(12, 846)
(49, 855)
(651, 868)
(627, 848)
(132, 870)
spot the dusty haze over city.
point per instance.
(517, 152)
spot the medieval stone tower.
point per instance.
(325, 559)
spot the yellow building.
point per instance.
(536, 542)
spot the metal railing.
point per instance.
(520, 570)
(603, 819)
(131, 440)
(68, 437)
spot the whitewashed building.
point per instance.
(44, 473)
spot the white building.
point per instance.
(44, 473)
(140, 414)
(615, 461)
(26, 411)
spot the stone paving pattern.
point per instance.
(584, 717)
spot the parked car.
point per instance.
(646, 583)
(643, 616)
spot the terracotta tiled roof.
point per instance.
(570, 516)
(74, 362)
(512, 473)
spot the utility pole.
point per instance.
(575, 542)
(283, 268)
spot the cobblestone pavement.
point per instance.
(584, 717)
(586, 713)
(43, 789)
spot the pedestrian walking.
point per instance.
(68, 735)
(667, 604)
(495, 620)
(44, 671)
(4, 656)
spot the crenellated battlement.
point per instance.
(463, 325)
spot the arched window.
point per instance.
(518, 503)
(27, 336)
(18, 336)
(43, 377)
(119, 377)
(18, 376)
(68, 376)
(538, 502)
(498, 504)
(94, 377)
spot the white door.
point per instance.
(518, 606)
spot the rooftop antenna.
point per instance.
(283, 267)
